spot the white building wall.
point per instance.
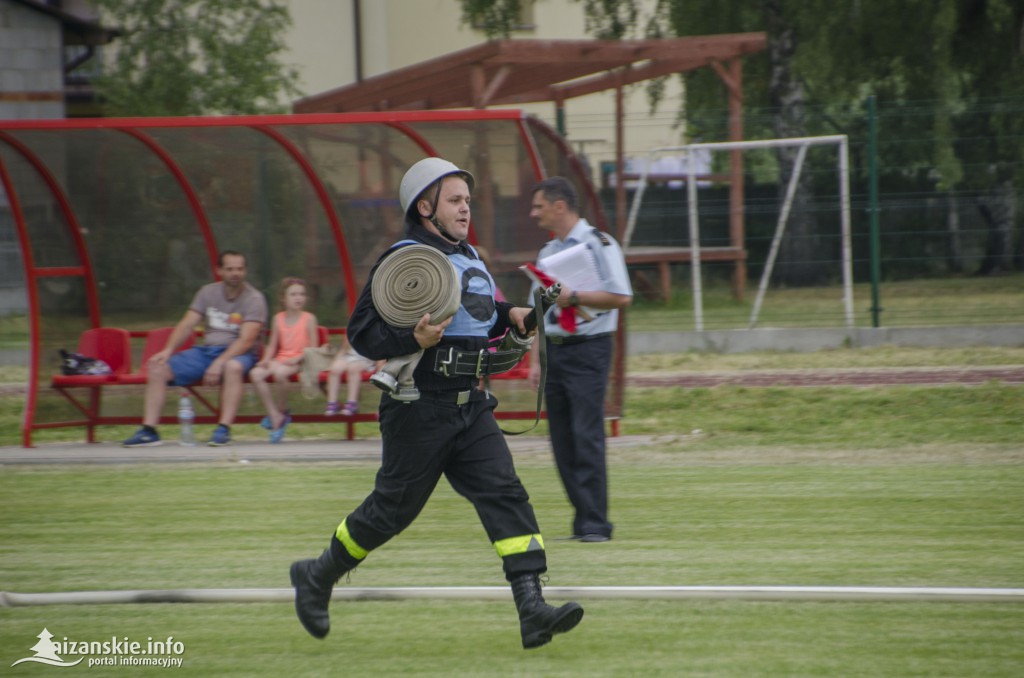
(398, 33)
(320, 44)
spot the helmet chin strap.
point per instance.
(432, 218)
(444, 233)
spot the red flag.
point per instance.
(567, 321)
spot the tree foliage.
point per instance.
(605, 19)
(941, 71)
(943, 52)
(948, 76)
(194, 57)
(610, 19)
(497, 18)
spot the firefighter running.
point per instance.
(449, 430)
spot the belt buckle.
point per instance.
(479, 362)
(463, 397)
(445, 363)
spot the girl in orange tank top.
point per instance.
(292, 331)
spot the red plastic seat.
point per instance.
(155, 342)
(112, 345)
(156, 339)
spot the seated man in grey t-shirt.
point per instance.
(233, 314)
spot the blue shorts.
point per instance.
(190, 365)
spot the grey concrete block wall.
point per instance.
(10, 37)
(31, 64)
(35, 59)
(31, 110)
(11, 80)
(25, 80)
(22, 28)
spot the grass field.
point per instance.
(965, 300)
(946, 301)
(892, 416)
(932, 516)
(900, 486)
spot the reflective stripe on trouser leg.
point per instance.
(521, 544)
(350, 544)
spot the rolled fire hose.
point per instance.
(414, 280)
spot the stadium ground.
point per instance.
(368, 449)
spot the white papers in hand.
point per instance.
(575, 267)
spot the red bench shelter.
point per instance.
(119, 222)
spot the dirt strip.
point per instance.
(923, 376)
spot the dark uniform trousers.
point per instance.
(433, 436)
(577, 380)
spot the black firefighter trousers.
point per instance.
(432, 436)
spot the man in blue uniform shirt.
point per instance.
(579, 361)
(449, 429)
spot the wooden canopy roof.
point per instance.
(514, 72)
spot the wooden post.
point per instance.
(736, 225)
(616, 403)
(620, 187)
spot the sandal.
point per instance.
(269, 425)
(350, 409)
(277, 434)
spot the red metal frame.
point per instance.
(266, 125)
(591, 197)
(85, 269)
(416, 137)
(429, 149)
(275, 120)
(325, 202)
(619, 364)
(531, 147)
(33, 274)
(190, 194)
(33, 303)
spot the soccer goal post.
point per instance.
(691, 151)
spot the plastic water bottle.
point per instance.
(186, 417)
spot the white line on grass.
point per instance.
(779, 593)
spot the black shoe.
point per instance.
(594, 538)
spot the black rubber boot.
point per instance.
(539, 621)
(313, 581)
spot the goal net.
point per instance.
(695, 166)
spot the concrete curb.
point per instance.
(249, 452)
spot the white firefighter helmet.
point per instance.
(422, 175)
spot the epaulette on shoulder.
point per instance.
(603, 237)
